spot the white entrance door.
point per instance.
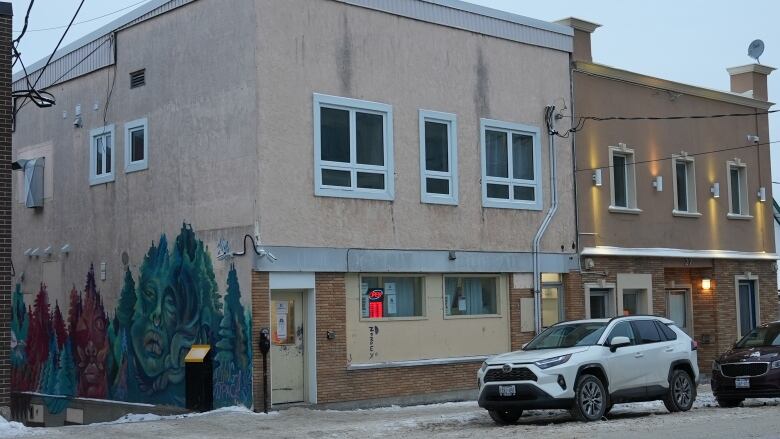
(287, 347)
(677, 308)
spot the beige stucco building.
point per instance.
(674, 216)
(392, 148)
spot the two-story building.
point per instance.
(372, 182)
(674, 215)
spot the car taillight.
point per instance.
(694, 345)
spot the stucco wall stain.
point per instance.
(344, 57)
(482, 89)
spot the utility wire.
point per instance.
(85, 21)
(714, 151)
(15, 42)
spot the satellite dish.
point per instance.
(755, 50)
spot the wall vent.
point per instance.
(138, 78)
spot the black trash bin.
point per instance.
(198, 376)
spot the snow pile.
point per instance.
(12, 429)
(150, 417)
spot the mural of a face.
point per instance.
(154, 326)
(91, 341)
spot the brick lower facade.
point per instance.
(714, 310)
(6, 115)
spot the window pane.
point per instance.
(403, 296)
(137, 146)
(678, 309)
(437, 186)
(551, 277)
(622, 329)
(334, 135)
(108, 153)
(367, 180)
(619, 172)
(646, 331)
(598, 306)
(436, 147)
(523, 157)
(336, 178)
(682, 186)
(370, 139)
(630, 304)
(525, 193)
(747, 307)
(470, 296)
(98, 155)
(498, 191)
(735, 192)
(496, 154)
(550, 306)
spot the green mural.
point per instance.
(138, 355)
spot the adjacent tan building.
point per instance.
(674, 216)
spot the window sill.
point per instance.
(628, 210)
(94, 181)
(356, 194)
(443, 201)
(136, 167)
(393, 319)
(415, 363)
(517, 205)
(736, 216)
(684, 214)
(475, 316)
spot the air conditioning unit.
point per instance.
(33, 180)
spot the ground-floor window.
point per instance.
(469, 296)
(747, 306)
(599, 301)
(553, 310)
(391, 296)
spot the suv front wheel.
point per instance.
(590, 399)
(505, 417)
(681, 392)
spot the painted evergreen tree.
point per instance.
(58, 326)
(20, 324)
(38, 343)
(127, 299)
(48, 381)
(74, 311)
(66, 374)
(231, 347)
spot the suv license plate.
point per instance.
(742, 383)
(506, 391)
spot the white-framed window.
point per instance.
(102, 155)
(471, 296)
(353, 148)
(136, 145)
(438, 157)
(400, 296)
(684, 184)
(511, 165)
(623, 179)
(736, 174)
(748, 303)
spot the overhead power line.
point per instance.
(84, 21)
(695, 154)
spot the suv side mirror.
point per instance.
(618, 342)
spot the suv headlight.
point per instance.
(716, 366)
(776, 364)
(550, 362)
(483, 367)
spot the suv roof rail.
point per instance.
(636, 315)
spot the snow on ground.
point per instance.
(757, 418)
(15, 429)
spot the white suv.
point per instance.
(586, 366)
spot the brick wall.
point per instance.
(335, 383)
(518, 338)
(5, 204)
(261, 317)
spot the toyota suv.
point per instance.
(751, 369)
(586, 366)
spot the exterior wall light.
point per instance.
(597, 178)
(706, 284)
(658, 183)
(762, 194)
(715, 190)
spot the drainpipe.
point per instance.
(549, 118)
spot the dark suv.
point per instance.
(751, 369)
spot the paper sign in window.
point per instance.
(391, 298)
(283, 318)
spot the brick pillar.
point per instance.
(6, 15)
(517, 337)
(261, 318)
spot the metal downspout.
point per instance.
(547, 219)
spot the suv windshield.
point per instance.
(568, 335)
(764, 336)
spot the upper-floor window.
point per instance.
(511, 165)
(438, 157)
(737, 183)
(101, 155)
(622, 170)
(136, 145)
(353, 148)
(684, 179)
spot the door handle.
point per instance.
(669, 349)
(639, 355)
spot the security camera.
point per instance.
(77, 122)
(752, 138)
